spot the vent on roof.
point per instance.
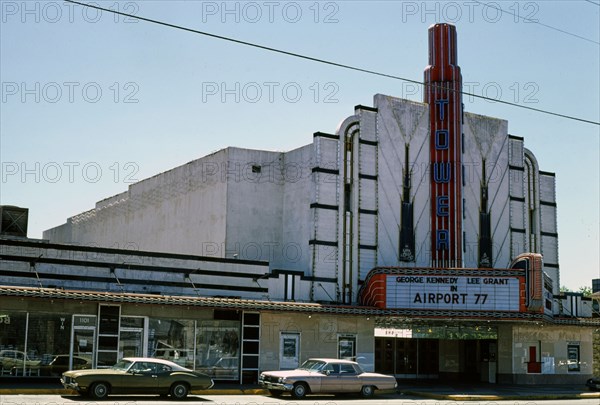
(13, 220)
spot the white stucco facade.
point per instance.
(325, 214)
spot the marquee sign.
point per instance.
(514, 289)
(452, 292)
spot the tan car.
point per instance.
(137, 375)
(330, 376)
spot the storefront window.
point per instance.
(48, 337)
(12, 341)
(218, 349)
(34, 345)
(172, 340)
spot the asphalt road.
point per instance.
(264, 400)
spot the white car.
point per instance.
(329, 376)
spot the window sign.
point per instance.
(289, 351)
(347, 347)
(573, 358)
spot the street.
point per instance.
(263, 400)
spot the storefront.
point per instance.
(37, 337)
(44, 332)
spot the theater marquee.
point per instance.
(515, 289)
(452, 292)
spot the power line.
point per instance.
(595, 4)
(532, 20)
(324, 61)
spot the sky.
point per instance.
(93, 101)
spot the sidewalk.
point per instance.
(441, 391)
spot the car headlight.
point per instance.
(281, 380)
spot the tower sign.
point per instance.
(443, 85)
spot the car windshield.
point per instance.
(312, 365)
(122, 365)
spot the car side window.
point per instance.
(163, 368)
(347, 369)
(332, 368)
(144, 368)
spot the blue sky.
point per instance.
(92, 101)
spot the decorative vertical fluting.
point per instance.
(443, 85)
(485, 224)
(407, 229)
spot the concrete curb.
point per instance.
(63, 391)
(232, 391)
(476, 397)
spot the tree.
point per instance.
(586, 291)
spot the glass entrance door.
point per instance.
(83, 340)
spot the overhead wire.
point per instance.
(535, 21)
(326, 62)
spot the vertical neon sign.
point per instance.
(443, 85)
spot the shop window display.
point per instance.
(172, 340)
(218, 349)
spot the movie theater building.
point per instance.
(431, 226)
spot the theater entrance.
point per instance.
(446, 354)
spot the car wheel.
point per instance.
(367, 391)
(299, 390)
(179, 390)
(99, 390)
(276, 393)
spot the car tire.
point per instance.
(276, 393)
(99, 390)
(367, 391)
(179, 390)
(300, 390)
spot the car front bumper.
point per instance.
(276, 386)
(71, 385)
